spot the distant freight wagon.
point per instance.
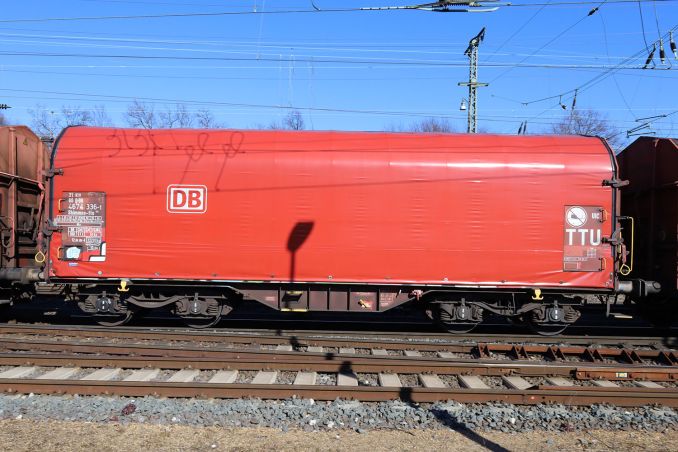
(651, 199)
(465, 226)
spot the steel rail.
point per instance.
(59, 344)
(275, 340)
(452, 346)
(518, 353)
(355, 338)
(540, 394)
(338, 363)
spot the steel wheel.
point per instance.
(114, 320)
(201, 322)
(547, 329)
(459, 327)
(203, 312)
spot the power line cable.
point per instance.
(116, 98)
(274, 59)
(656, 19)
(178, 15)
(254, 50)
(580, 3)
(521, 28)
(642, 26)
(653, 74)
(280, 11)
(138, 2)
(598, 78)
(315, 60)
(552, 40)
(219, 40)
(614, 78)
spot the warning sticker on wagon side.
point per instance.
(583, 228)
(82, 223)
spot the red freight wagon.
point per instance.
(651, 199)
(194, 219)
(24, 162)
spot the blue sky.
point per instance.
(359, 70)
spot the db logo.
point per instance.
(186, 198)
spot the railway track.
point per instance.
(325, 366)
(355, 338)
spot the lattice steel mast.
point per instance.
(473, 84)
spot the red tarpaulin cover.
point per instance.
(329, 207)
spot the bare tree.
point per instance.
(97, 116)
(100, 117)
(274, 125)
(49, 122)
(432, 125)
(176, 117)
(427, 125)
(44, 122)
(74, 115)
(587, 122)
(292, 121)
(206, 120)
(3, 120)
(142, 115)
(395, 127)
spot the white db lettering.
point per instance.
(186, 198)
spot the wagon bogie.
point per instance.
(114, 306)
(108, 309)
(544, 313)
